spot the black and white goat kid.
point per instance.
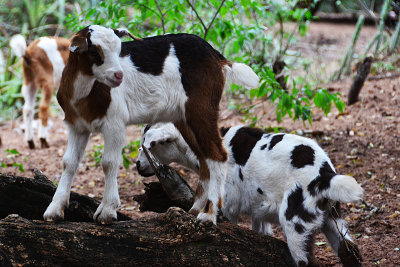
(275, 178)
(108, 84)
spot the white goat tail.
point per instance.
(241, 74)
(18, 45)
(344, 188)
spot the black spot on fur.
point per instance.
(148, 126)
(95, 53)
(323, 180)
(302, 155)
(224, 130)
(299, 228)
(263, 147)
(260, 191)
(148, 55)
(296, 207)
(240, 174)
(243, 143)
(207, 207)
(275, 140)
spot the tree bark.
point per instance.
(30, 197)
(169, 239)
(362, 73)
(175, 238)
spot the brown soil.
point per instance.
(363, 142)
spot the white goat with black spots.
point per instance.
(275, 178)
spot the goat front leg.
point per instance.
(114, 141)
(77, 142)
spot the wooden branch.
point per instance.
(212, 21)
(177, 190)
(30, 197)
(197, 14)
(175, 238)
(206, 28)
(362, 73)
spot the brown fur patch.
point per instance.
(77, 62)
(220, 203)
(96, 104)
(194, 212)
(199, 192)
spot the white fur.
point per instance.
(29, 93)
(18, 45)
(242, 74)
(270, 171)
(49, 45)
(140, 98)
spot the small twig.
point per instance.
(212, 21)
(206, 28)
(162, 16)
(351, 250)
(197, 14)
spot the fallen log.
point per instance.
(171, 239)
(30, 197)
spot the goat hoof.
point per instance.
(194, 212)
(206, 217)
(44, 143)
(53, 215)
(31, 144)
(105, 215)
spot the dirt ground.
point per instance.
(363, 142)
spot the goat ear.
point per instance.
(78, 44)
(122, 32)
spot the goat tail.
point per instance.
(18, 45)
(343, 188)
(241, 74)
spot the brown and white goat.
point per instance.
(43, 62)
(107, 85)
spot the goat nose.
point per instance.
(138, 165)
(118, 75)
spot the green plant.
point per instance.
(96, 154)
(130, 152)
(13, 154)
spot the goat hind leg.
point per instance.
(44, 112)
(29, 92)
(210, 144)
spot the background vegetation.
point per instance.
(250, 31)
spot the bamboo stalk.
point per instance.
(384, 12)
(346, 61)
(395, 38)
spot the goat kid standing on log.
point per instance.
(107, 85)
(44, 61)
